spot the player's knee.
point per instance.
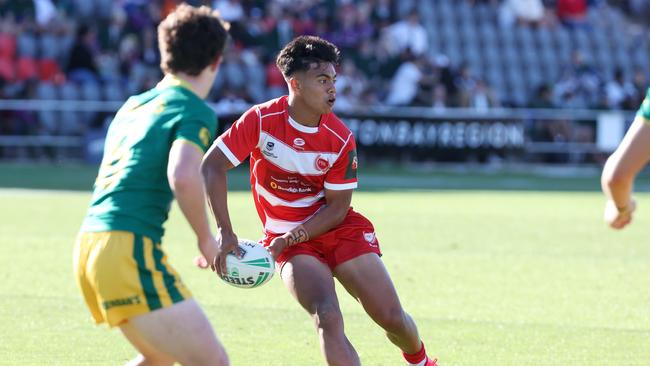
(151, 360)
(210, 357)
(392, 319)
(327, 316)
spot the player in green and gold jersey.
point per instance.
(152, 154)
(623, 166)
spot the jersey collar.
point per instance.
(172, 80)
(302, 128)
(298, 126)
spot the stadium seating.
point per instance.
(514, 60)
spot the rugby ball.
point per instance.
(253, 268)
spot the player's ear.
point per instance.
(294, 83)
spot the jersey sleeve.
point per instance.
(241, 138)
(343, 174)
(644, 110)
(198, 132)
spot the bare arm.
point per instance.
(622, 167)
(184, 178)
(214, 169)
(332, 214)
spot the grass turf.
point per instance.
(491, 277)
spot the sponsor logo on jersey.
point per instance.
(132, 300)
(305, 189)
(322, 164)
(298, 142)
(353, 163)
(204, 136)
(268, 148)
(370, 238)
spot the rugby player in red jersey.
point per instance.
(303, 169)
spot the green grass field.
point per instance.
(491, 277)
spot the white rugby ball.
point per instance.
(252, 269)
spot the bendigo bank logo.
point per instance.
(322, 164)
(291, 187)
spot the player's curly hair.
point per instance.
(191, 38)
(303, 51)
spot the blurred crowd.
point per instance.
(106, 50)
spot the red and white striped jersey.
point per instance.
(291, 164)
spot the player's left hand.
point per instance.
(617, 218)
(277, 246)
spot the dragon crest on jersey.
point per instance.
(322, 164)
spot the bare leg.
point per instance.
(366, 278)
(312, 284)
(180, 333)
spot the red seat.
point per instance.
(7, 46)
(26, 68)
(48, 69)
(7, 69)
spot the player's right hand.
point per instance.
(208, 247)
(617, 218)
(227, 243)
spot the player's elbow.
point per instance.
(181, 179)
(340, 213)
(212, 165)
(616, 179)
(615, 176)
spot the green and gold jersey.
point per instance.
(131, 192)
(644, 110)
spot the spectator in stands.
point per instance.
(543, 98)
(229, 101)
(464, 83)
(407, 34)
(45, 12)
(439, 98)
(640, 84)
(382, 12)
(230, 10)
(21, 10)
(405, 82)
(481, 97)
(81, 62)
(345, 99)
(111, 36)
(353, 27)
(572, 13)
(350, 76)
(522, 12)
(618, 91)
(283, 31)
(547, 130)
(579, 85)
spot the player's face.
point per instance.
(318, 89)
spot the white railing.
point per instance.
(608, 126)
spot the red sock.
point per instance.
(416, 358)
